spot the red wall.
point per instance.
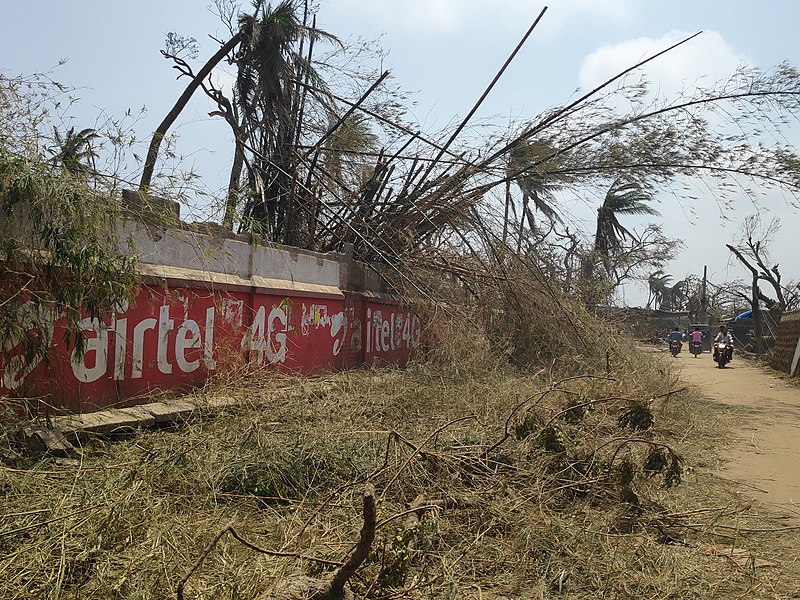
(390, 334)
(173, 338)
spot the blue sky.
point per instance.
(445, 51)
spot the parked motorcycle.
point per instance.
(722, 354)
(696, 348)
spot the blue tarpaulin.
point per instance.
(748, 314)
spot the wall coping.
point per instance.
(264, 285)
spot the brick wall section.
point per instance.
(788, 334)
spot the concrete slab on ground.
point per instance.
(102, 422)
(43, 439)
(170, 411)
(56, 439)
(124, 420)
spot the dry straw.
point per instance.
(528, 454)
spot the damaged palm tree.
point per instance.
(317, 171)
(530, 164)
(272, 108)
(623, 198)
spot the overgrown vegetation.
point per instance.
(569, 475)
(59, 257)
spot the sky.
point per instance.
(445, 52)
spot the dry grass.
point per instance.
(539, 490)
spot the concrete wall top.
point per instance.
(186, 248)
(155, 234)
(201, 278)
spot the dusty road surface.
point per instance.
(766, 457)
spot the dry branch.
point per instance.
(230, 529)
(536, 399)
(362, 549)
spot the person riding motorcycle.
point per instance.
(726, 338)
(696, 341)
(676, 336)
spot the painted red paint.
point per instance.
(172, 337)
(390, 333)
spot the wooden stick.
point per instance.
(363, 547)
(206, 551)
(235, 534)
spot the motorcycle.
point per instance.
(674, 347)
(696, 348)
(722, 354)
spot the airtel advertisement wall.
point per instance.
(173, 337)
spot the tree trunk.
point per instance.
(505, 216)
(233, 186)
(161, 130)
(522, 222)
(758, 329)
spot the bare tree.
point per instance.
(197, 80)
(752, 252)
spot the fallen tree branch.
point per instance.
(415, 511)
(229, 529)
(419, 449)
(362, 549)
(393, 435)
(206, 551)
(670, 393)
(553, 388)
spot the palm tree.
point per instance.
(346, 174)
(624, 197)
(674, 297)
(658, 284)
(74, 151)
(531, 165)
(350, 139)
(270, 63)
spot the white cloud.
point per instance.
(562, 14)
(699, 62)
(420, 16)
(445, 17)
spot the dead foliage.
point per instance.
(578, 478)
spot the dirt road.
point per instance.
(766, 457)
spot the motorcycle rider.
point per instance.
(725, 337)
(696, 337)
(676, 336)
